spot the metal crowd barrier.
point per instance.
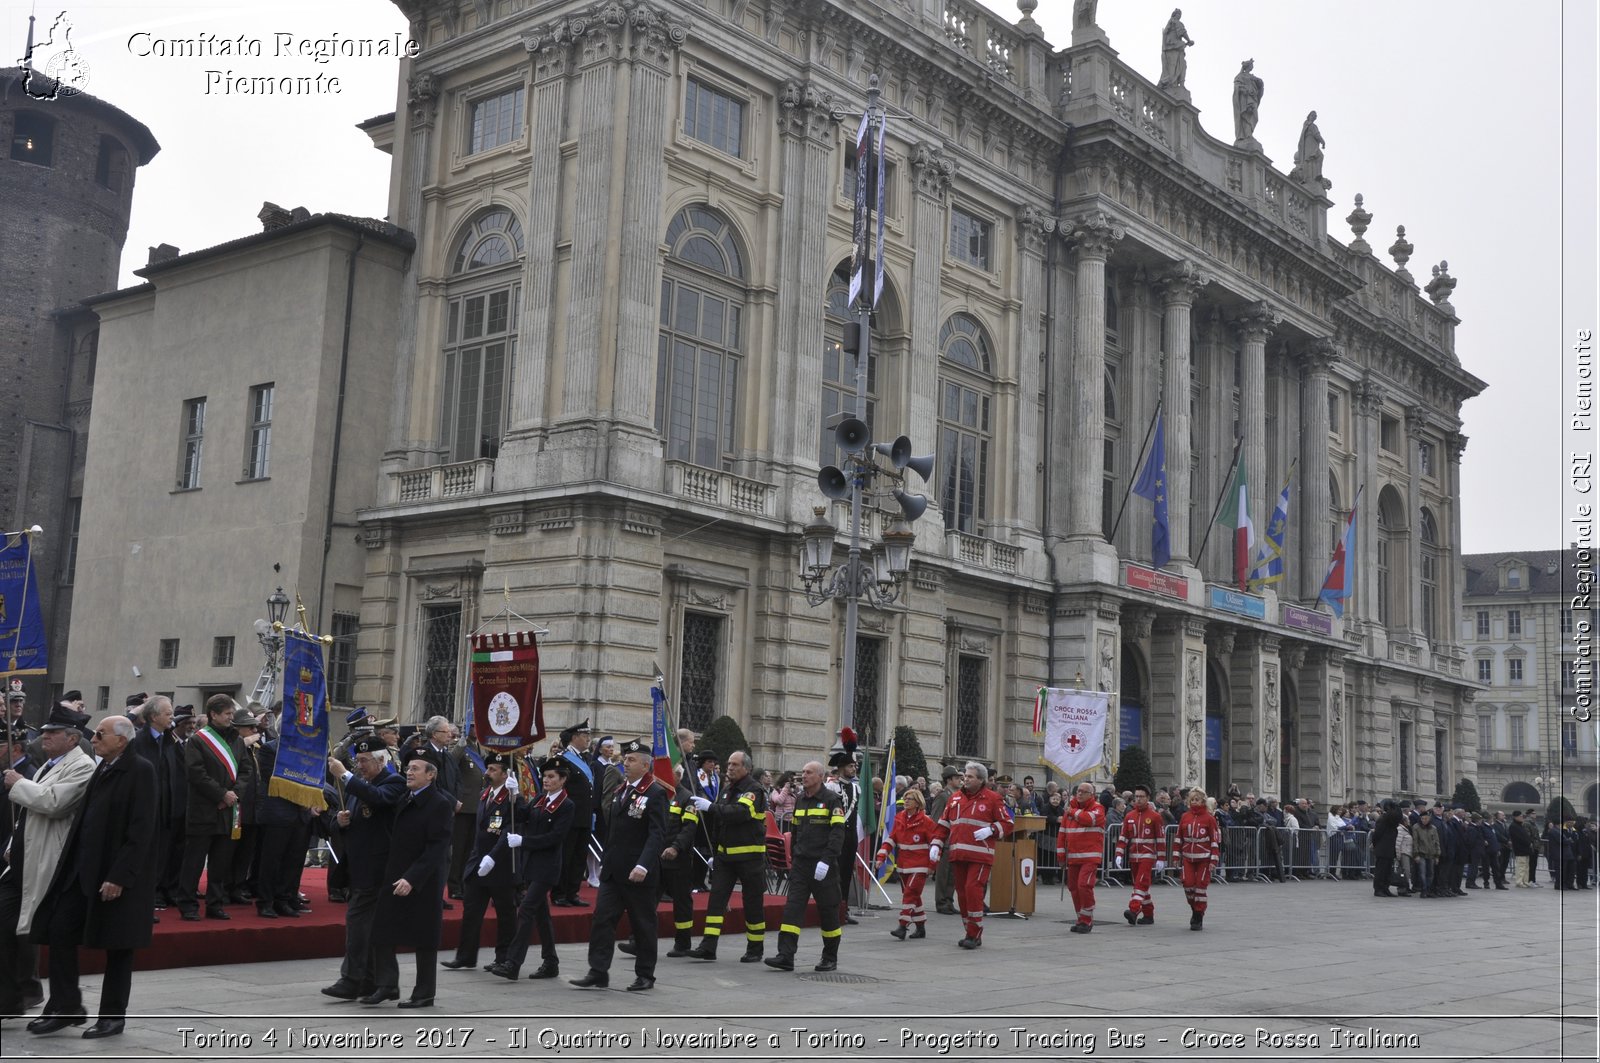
(1254, 854)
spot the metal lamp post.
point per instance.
(269, 633)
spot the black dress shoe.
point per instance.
(628, 948)
(899, 932)
(559, 902)
(218, 913)
(640, 984)
(339, 896)
(289, 911)
(577, 902)
(342, 990)
(780, 962)
(378, 996)
(190, 915)
(850, 921)
(677, 952)
(265, 912)
(828, 964)
(416, 1002)
(52, 1023)
(104, 1028)
(456, 965)
(546, 970)
(592, 980)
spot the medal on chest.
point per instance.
(366, 811)
(494, 823)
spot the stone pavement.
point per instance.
(1317, 965)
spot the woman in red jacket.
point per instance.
(1199, 847)
(910, 838)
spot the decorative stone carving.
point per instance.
(718, 602)
(506, 521)
(1335, 742)
(433, 591)
(1440, 287)
(1140, 620)
(1294, 656)
(1182, 282)
(422, 96)
(1416, 419)
(1258, 322)
(1269, 728)
(1219, 639)
(1308, 156)
(1108, 661)
(1320, 355)
(1194, 680)
(375, 536)
(1175, 41)
(1082, 12)
(1033, 227)
(1358, 220)
(1369, 397)
(1247, 92)
(1094, 234)
(932, 168)
(805, 110)
(1194, 743)
(1455, 444)
(1401, 250)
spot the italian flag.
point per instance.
(1237, 515)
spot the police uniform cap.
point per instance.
(430, 756)
(496, 760)
(184, 712)
(132, 700)
(16, 695)
(559, 765)
(639, 745)
(392, 723)
(64, 719)
(356, 717)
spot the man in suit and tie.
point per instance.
(104, 888)
(220, 772)
(636, 832)
(372, 793)
(586, 799)
(544, 839)
(159, 748)
(411, 904)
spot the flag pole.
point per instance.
(1227, 483)
(1139, 464)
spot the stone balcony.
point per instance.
(463, 479)
(712, 487)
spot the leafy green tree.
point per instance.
(1466, 796)
(908, 755)
(1134, 770)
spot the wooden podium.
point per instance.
(1016, 868)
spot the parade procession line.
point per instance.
(247, 938)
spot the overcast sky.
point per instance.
(1448, 118)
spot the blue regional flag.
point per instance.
(22, 636)
(1152, 484)
(302, 760)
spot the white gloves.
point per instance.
(982, 834)
(514, 840)
(933, 853)
(1119, 861)
(700, 803)
(822, 871)
(1161, 865)
(511, 784)
(485, 866)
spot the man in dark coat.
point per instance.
(944, 889)
(365, 824)
(1384, 836)
(636, 832)
(243, 869)
(469, 786)
(281, 827)
(19, 978)
(581, 788)
(1521, 849)
(103, 894)
(219, 772)
(157, 745)
(544, 840)
(488, 867)
(411, 905)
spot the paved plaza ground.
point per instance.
(1324, 967)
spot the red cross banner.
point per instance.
(1075, 731)
(508, 706)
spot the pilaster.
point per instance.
(1178, 679)
(1369, 413)
(1256, 705)
(1416, 418)
(1092, 237)
(1178, 286)
(1034, 228)
(932, 170)
(1318, 359)
(1256, 324)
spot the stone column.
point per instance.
(1455, 444)
(1416, 418)
(1318, 359)
(1369, 411)
(1034, 228)
(1092, 237)
(931, 171)
(1178, 287)
(1255, 325)
(1216, 360)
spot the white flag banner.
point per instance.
(1075, 731)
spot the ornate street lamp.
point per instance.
(269, 633)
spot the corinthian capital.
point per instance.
(1321, 354)
(933, 169)
(1257, 322)
(1093, 235)
(804, 109)
(1181, 282)
(1033, 227)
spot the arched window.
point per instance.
(1390, 559)
(481, 335)
(1428, 531)
(1520, 793)
(702, 316)
(839, 368)
(88, 354)
(494, 239)
(966, 388)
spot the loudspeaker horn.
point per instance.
(832, 483)
(913, 506)
(851, 435)
(898, 452)
(922, 466)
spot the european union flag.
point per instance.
(1152, 484)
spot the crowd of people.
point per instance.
(105, 827)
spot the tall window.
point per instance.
(481, 335)
(839, 369)
(1108, 455)
(702, 315)
(222, 651)
(496, 120)
(167, 657)
(713, 117)
(971, 239)
(868, 713)
(1519, 734)
(970, 702)
(1513, 620)
(966, 384)
(441, 650)
(1569, 675)
(1441, 760)
(700, 667)
(1383, 575)
(1429, 531)
(69, 566)
(1405, 758)
(1485, 670)
(111, 165)
(1483, 623)
(1569, 738)
(342, 659)
(1514, 669)
(1393, 589)
(194, 430)
(1566, 622)
(258, 435)
(1485, 735)
(1425, 458)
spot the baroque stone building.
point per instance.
(622, 351)
(67, 167)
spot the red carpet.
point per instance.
(248, 938)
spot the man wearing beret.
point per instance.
(944, 887)
(489, 870)
(582, 780)
(636, 832)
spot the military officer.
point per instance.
(549, 821)
(488, 871)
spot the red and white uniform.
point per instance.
(1139, 845)
(971, 857)
(1200, 847)
(1080, 845)
(911, 837)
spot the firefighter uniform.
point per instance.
(911, 838)
(738, 818)
(1080, 844)
(1200, 849)
(971, 824)
(1138, 845)
(677, 872)
(818, 836)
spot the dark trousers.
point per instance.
(170, 843)
(1382, 870)
(574, 861)
(245, 868)
(364, 965)
(533, 914)
(678, 883)
(19, 977)
(282, 854)
(427, 968)
(214, 853)
(638, 899)
(803, 886)
(752, 878)
(844, 867)
(478, 895)
(462, 835)
(338, 873)
(1502, 861)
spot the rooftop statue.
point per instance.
(1247, 89)
(1308, 156)
(1175, 41)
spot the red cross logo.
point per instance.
(1073, 742)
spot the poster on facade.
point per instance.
(1075, 731)
(507, 701)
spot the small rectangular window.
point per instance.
(1569, 675)
(342, 659)
(1514, 622)
(1425, 458)
(495, 121)
(1566, 621)
(971, 239)
(194, 430)
(713, 117)
(258, 433)
(1483, 623)
(1569, 738)
(169, 654)
(102, 699)
(1486, 671)
(1389, 434)
(33, 138)
(1335, 421)
(222, 651)
(1514, 669)
(111, 166)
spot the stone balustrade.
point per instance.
(462, 479)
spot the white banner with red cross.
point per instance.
(1075, 731)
